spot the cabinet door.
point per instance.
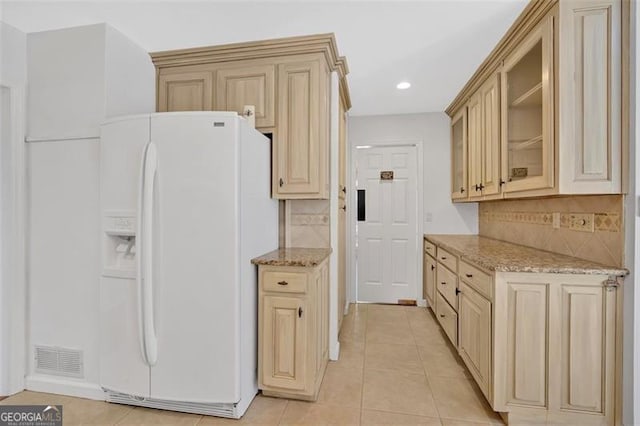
(284, 342)
(429, 285)
(474, 336)
(297, 148)
(185, 91)
(247, 83)
(490, 158)
(527, 112)
(590, 80)
(459, 166)
(586, 325)
(474, 137)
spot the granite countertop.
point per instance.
(500, 256)
(293, 256)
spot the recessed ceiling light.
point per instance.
(403, 85)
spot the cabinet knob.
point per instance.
(281, 182)
(344, 208)
(344, 189)
(502, 182)
(442, 315)
(283, 283)
(300, 312)
(461, 190)
(468, 275)
(458, 291)
(477, 187)
(481, 186)
(443, 258)
(443, 283)
(433, 267)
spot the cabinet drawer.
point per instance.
(448, 259)
(286, 282)
(447, 283)
(477, 279)
(430, 248)
(448, 319)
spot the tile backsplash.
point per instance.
(306, 223)
(530, 223)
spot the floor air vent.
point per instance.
(59, 361)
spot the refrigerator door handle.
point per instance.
(139, 251)
(145, 253)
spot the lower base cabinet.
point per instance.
(542, 347)
(293, 330)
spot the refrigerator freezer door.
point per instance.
(122, 366)
(196, 253)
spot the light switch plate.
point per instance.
(582, 222)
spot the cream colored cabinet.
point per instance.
(590, 85)
(288, 82)
(541, 346)
(474, 336)
(293, 330)
(300, 145)
(459, 179)
(284, 325)
(490, 183)
(527, 113)
(484, 140)
(474, 135)
(342, 213)
(429, 280)
(185, 89)
(562, 107)
(554, 347)
(248, 83)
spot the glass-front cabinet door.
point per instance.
(459, 188)
(527, 113)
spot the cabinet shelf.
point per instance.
(518, 144)
(532, 97)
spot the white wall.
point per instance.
(13, 74)
(78, 77)
(432, 129)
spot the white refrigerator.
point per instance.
(185, 200)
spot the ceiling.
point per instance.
(434, 44)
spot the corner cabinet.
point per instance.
(287, 81)
(293, 330)
(545, 112)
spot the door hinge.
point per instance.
(611, 283)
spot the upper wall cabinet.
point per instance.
(558, 105)
(300, 151)
(459, 184)
(248, 83)
(286, 80)
(527, 118)
(590, 82)
(184, 89)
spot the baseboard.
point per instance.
(63, 386)
(334, 352)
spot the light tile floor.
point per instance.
(396, 368)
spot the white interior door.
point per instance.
(387, 237)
